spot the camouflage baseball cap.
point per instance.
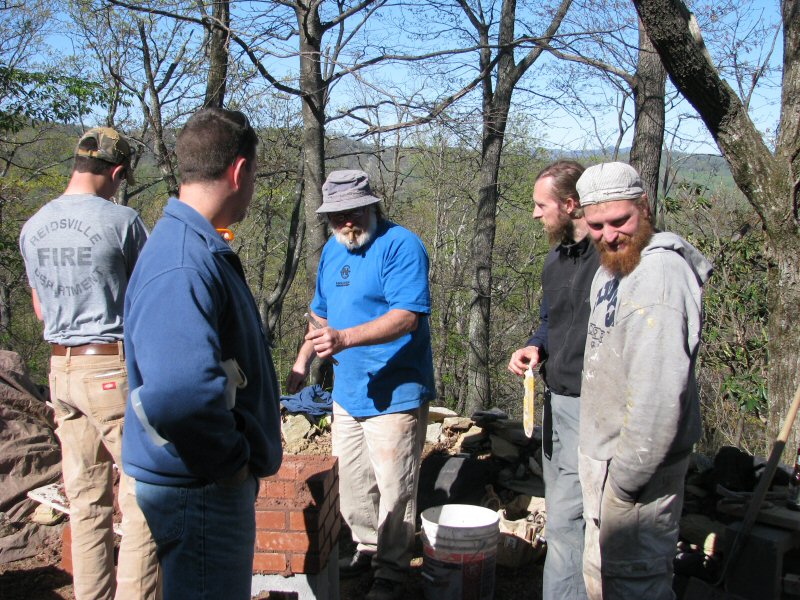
(112, 147)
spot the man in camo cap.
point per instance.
(79, 252)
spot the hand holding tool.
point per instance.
(317, 325)
(528, 402)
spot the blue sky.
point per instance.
(553, 124)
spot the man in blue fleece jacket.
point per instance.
(202, 421)
(640, 413)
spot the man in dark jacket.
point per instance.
(558, 346)
(202, 422)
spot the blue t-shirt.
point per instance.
(391, 272)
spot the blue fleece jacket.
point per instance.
(203, 396)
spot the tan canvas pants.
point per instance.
(379, 460)
(89, 395)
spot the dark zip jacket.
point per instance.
(564, 314)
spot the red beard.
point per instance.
(621, 263)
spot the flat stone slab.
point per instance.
(437, 414)
(52, 495)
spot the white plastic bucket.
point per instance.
(459, 552)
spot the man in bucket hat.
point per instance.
(640, 414)
(79, 252)
(371, 310)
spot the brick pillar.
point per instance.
(297, 516)
(66, 549)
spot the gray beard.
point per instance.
(362, 239)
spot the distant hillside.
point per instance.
(708, 170)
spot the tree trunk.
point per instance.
(648, 135)
(770, 182)
(313, 93)
(273, 304)
(479, 386)
(495, 106)
(5, 313)
(218, 55)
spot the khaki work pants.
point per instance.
(89, 395)
(379, 460)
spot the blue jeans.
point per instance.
(205, 537)
(563, 574)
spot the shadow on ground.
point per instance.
(39, 583)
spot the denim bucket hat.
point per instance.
(346, 190)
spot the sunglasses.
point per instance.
(348, 215)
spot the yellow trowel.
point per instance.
(527, 402)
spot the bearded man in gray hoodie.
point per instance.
(640, 414)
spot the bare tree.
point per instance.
(601, 41)
(649, 88)
(152, 60)
(497, 88)
(770, 179)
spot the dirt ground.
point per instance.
(41, 578)
(510, 584)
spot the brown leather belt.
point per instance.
(85, 349)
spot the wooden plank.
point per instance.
(770, 514)
(52, 495)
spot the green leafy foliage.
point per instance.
(44, 96)
(733, 356)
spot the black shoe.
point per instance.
(385, 589)
(359, 563)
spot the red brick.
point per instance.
(325, 506)
(271, 519)
(278, 489)
(290, 542)
(307, 563)
(320, 485)
(291, 466)
(305, 520)
(270, 562)
(298, 515)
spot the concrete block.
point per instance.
(323, 585)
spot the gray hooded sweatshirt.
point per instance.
(639, 406)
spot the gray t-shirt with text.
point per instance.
(79, 252)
